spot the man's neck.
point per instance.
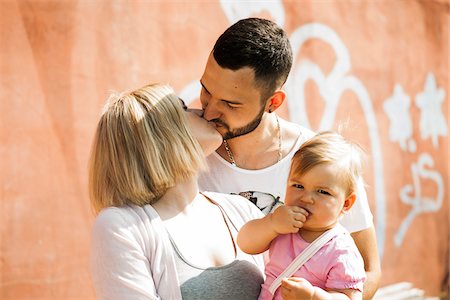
(257, 149)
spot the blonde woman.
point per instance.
(155, 236)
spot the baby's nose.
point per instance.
(307, 197)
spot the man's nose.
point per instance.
(210, 111)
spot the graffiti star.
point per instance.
(397, 109)
(432, 120)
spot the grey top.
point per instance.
(241, 279)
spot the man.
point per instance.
(241, 89)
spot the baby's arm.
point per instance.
(256, 235)
(300, 288)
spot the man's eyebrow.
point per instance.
(227, 101)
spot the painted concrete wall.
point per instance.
(379, 67)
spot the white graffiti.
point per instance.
(236, 10)
(411, 194)
(397, 109)
(432, 124)
(331, 86)
(432, 120)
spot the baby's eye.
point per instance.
(323, 192)
(298, 186)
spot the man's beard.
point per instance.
(229, 134)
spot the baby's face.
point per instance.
(204, 132)
(319, 191)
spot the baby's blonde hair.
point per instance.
(142, 147)
(331, 148)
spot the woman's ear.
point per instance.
(348, 202)
(275, 101)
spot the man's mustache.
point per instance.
(219, 122)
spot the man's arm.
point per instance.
(366, 242)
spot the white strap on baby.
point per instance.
(302, 258)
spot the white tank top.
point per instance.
(239, 280)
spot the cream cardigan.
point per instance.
(131, 255)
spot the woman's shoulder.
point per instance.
(115, 214)
(111, 216)
(138, 225)
(118, 218)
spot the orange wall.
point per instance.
(381, 67)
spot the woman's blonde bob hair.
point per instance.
(142, 147)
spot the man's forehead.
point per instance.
(227, 83)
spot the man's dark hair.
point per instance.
(259, 44)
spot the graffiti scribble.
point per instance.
(411, 194)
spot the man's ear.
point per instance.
(348, 203)
(275, 100)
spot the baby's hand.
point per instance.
(288, 219)
(296, 288)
